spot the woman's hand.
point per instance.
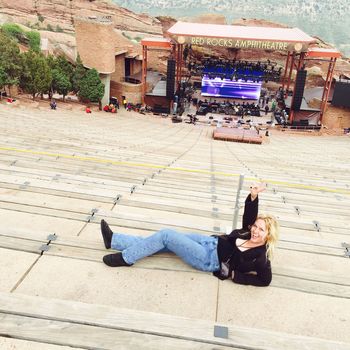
(255, 189)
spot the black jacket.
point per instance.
(250, 266)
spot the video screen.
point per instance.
(240, 89)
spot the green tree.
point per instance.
(78, 74)
(10, 60)
(60, 83)
(91, 87)
(64, 66)
(43, 77)
(3, 79)
(34, 40)
(51, 61)
(36, 76)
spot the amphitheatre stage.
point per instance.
(63, 171)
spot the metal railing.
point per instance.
(235, 214)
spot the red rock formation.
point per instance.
(61, 13)
(207, 18)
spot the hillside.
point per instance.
(313, 8)
(55, 19)
(59, 14)
(328, 20)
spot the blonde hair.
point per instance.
(272, 228)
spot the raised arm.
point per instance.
(251, 205)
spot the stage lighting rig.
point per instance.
(233, 69)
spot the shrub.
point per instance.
(41, 18)
(59, 29)
(126, 35)
(49, 27)
(35, 25)
(34, 40)
(13, 30)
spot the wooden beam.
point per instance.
(79, 324)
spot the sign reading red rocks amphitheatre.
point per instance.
(241, 37)
(244, 44)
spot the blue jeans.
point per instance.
(195, 249)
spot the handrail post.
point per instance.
(239, 189)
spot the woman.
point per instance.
(244, 255)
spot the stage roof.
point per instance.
(321, 52)
(156, 42)
(241, 37)
(240, 32)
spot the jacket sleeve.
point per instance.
(241, 233)
(250, 212)
(263, 275)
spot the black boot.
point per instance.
(106, 234)
(115, 260)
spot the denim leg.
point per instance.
(202, 256)
(121, 241)
(197, 237)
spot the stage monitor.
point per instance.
(341, 95)
(240, 89)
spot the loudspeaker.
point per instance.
(299, 89)
(197, 84)
(341, 95)
(170, 79)
(159, 109)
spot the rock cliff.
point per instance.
(55, 21)
(61, 13)
(52, 17)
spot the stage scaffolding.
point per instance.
(291, 40)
